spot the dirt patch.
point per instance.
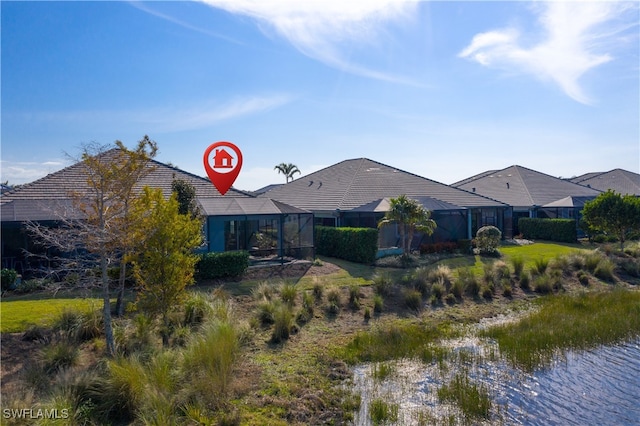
(15, 355)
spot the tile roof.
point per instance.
(353, 183)
(570, 202)
(40, 199)
(522, 187)
(619, 180)
(383, 205)
(227, 206)
(60, 184)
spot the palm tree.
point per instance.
(288, 170)
(410, 217)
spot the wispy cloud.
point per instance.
(145, 8)
(163, 119)
(574, 38)
(19, 172)
(322, 29)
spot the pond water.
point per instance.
(596, 387)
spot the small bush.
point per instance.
(289, 293)
(486, 292)
(354, 297)
(488, 239)
(517, 263)
(583, 278)
(443, 275)
(318, 290)
(263, 291)
(367, 314)
(604, 270)
(543, 285)
(525, 281)
(378, 303)
(413, 299)
(266, 312)
(437, 290)
(507, 291)
(469, 281)
(30, 286)
(457, 289)
(59, 355)
(196, 309)
(592, 260)
(8, 277)
(540, 265)
(501, 271)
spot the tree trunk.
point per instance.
(106, 308)
(121, 281)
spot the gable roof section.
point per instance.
(245, 206)
(45, 198)
(353, 183)
(522, 187)
(73, 179)
(619, 180)
(576, 202)
(383, 205)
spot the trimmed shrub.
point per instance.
(561, 230)
(223, 265)
(488, 239)
(354, 244)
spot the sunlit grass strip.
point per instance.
(569, 322)
(17, 315)
(393, 341)
(473, 400)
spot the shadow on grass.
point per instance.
(356, 270)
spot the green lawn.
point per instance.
(17, 315)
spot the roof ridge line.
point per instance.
(526, 188)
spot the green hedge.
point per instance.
(223, 265)
(562, 230)
(354, 244)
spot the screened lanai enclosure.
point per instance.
(267, 229)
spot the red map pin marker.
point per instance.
(222, 162)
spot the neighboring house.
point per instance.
(621, 181)
(356, 193)
(530, 193)
(234, 221)
(266, 188)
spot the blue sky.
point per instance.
(445, 90)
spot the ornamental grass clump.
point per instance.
(517, 263)
(288, 293)
(469, 281)
(382, 284)
(413, 299)
(441, 275)
(604, 270)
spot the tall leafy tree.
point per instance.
(614, 214)
(288, 170)
(94, 234)
(410, 217)
(163, 262)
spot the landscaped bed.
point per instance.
(295, 336)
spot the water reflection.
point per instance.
(599, 387)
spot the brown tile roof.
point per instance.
(522, 187)
(236, 206)
(353, 183)
(619, 180)
(43, 198)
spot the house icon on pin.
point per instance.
(222, 160)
